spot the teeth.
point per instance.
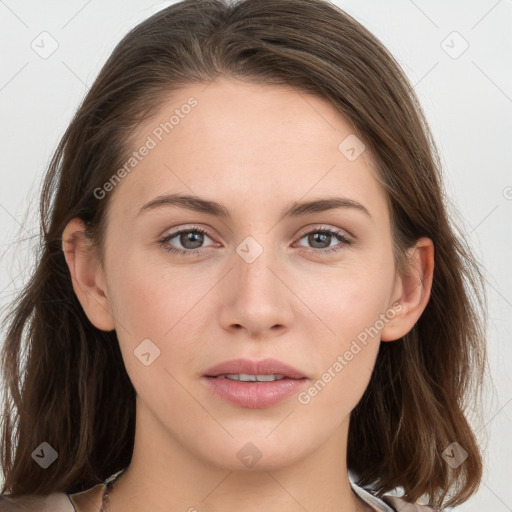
(244, 377)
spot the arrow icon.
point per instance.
(146, 352)
(44, 44)
(44, 454)
(454, 455)
(249, 455)
(454, 45)
(249, 252)
(351, 147)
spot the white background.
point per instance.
(467, 100)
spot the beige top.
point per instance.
(90, 499)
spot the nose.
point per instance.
(255, 295)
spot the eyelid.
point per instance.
(172, 232)
(326, 227)
(305, 231)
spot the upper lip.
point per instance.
(261, 367)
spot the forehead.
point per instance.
(245, 143)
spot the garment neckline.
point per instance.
(376, 503)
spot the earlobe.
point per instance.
(413, 291)
(86, 275)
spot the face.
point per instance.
(311, 289)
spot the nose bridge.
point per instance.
(254, 261)
(258, 299)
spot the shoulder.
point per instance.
(55, 502)
(399, 505)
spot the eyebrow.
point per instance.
(296, 209)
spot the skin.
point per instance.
(256, 149)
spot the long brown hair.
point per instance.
(75, 393)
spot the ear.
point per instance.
(412, 291)
(87, 275)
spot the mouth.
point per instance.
(248, 370)
(245, 377)
(254, 384)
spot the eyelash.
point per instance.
(193, 229)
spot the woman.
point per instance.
(249, 286)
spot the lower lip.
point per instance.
(255, 395)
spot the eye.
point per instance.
(191, 239)
(321, 239)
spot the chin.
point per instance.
(256, 453)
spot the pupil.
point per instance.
(322, 237)
(193, 237)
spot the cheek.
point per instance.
(150, 298)
(350, 300)
(164, 310)
(351, 309)
(167, 305)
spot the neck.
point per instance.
(164, 476)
